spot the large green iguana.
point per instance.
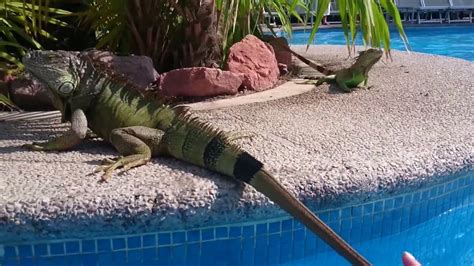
(140, 128)
(347, 78)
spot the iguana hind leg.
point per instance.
(136, 145)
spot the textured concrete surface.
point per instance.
(413, 128)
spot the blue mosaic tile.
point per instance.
(310, 244)
(179, 237)
(261, 245)
(366, 220)
(222, 232)
(73, 260)
(376, 229)
(335, 226)
(262, 228)
(356, 211)
(10, 262)
(416, 197)
(235, 231)
(119, 257)
(89, 259)
(345, 224)
(297, 224)
(164, 239)
(396, 214)
(178, 254)
(207, 234)
(27, 262)
(44, 261)
(72, 247)
(88, 246)
(10, 252)
(287, 225)
(286, 237)
(134, 242)
(248, 251)
(195, 235)
(194, 249)
(274, 227)
(298, 247)
(151, 253)
(368, 208)
(388, 204)
(56, 248)
(134, 255)
(104, 259)
(248, 231)
(118, 243)
(356, 222)
(398, 202)
(41, 250)
(149, 240)
(58, 260)
(386, 228)
(273, 250)
(424, 195)
(233, 254)
(104, 245)
(334, 215)
(324, 216)
(346, 212)
(378, 206)
(273, 239)
(25, 251)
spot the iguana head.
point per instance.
(369, 57)
(59, 70)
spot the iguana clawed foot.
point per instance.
(126, 163)
(35, 146)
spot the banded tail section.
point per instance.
(270, 187)
(198, 143)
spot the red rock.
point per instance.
(256, 61)
(199, 81)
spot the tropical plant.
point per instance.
(7, 103)
(173, 33)
(22, 26)
(198, 33)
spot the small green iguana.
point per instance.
(347, 78)
(140, 128)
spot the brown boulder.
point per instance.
(199, 81)
(256, 61)
(138, 69)
(30, 95)
(283, 56)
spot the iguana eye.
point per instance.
(66, 88)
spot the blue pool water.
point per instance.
(455, 41)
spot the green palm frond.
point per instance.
(5, 102)
(365, 17)
(22, 25)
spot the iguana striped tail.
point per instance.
(198, 143)
(305, 60)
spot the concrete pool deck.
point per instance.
(414, 128)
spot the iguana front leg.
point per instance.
(136, 144)
(72, 137)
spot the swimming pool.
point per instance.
(434, 223)
(455, 41)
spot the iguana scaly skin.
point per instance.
(347, 78)
(141, 128)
